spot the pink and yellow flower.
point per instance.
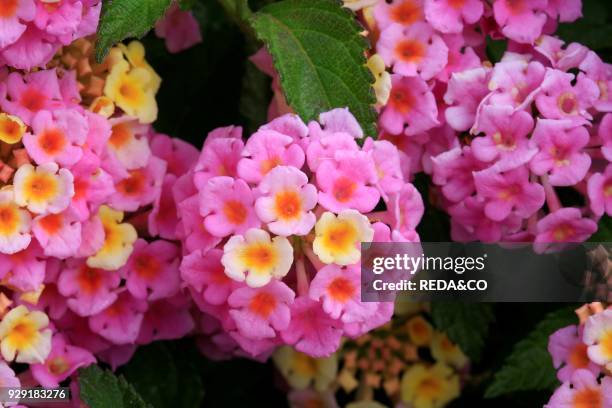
(24, 336)
(118, 241)
(338, 237)
(43, 189)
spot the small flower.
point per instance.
(429, 387)
(302, 371)
(382, 83)
(205, 273)
(256, 258)
(450, 16)
(260, 313)
(569, 353)
(12, 128)
(287, 201)
(120, 322)
(140, 187)
(338, 237)
(420, 331)
(413, 50)
(600, 192)
(560, 152)
(582, 390)
(14, 224)
(58, 234)
(43, 189)
(563, 225)
(57, 138)
(598, 337)
(522, 20)
(132, 90)
(227, 206)
(24, 336)
(118, 241)
(179, 28)
(447, 352)
(128, 142)
(404, 12)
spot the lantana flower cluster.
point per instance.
(271, 231)
(88, 266)
(390, 360)
(34, 30)
(516, 150)
(582, 354)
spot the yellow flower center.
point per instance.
(40, 187)
(9, 219)
(606, 343)
(22, 334)
(131, 93)
(430, 387)
(235, 212)
(305, 365)
(340, 236)
(11, 129)
(259, 257)
(58, 365)
(121, 134)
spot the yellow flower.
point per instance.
(132, 90)
(135, 54)
(382, 85)
(301, 371)
(256, 258)
(43, 189)
(445, 351)
(11, 128)
(429, 387)
(14, 224)
(118, 241)
(103, 106)
(419, 330)
(24, 334)
(338, 237)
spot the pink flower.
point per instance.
(206, 274)
(345, 182)
(152, 270)
(404, 12)
(227, 206)
(411, 107)
(286, 202)
(463, 95)
(559, 99)
(560, 152)
(507, 192)
(469, 222)
(179, 155)
(260, 313)
(388, 165)
(14, 15)
(219, 157)
(163, 218)
(505, 138)
(582, 386)
(120, 322)
(59, 235)
(27, 94)
(166, 319)
(32, 50)
(7, 376)
(406, 208)
(180, 29)
(449, 16)
(599, 71)
(89, 290)
(569, 353)
(311, 330)
(265, 150)
(141, 186)
(605, 134)
(25, 270)
(600, 192)
(453, 171)
(335, 121)
(413, 50)
(515, 82)
(460, 57)
(61, 21)
(597, 336)
(92, 186)
(563, 225)
(62, 361)
(339, 290)
(560, 56)
(564, 10)
(520, 20)
(127, 143)
(325, 148)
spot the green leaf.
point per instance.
(102, 389)
(466, 324)
(604, 231)
(123, 19)
(239, 11)
(529, 367)
(320, 57)
(166, 377)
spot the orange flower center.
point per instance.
(132, 185)
(578, 357)
(341, 289)
(9, 219)
(51, 223)
(146, 266)
(269, 164)
(235, 212)
(80, 188)
(563, 232)
(288, 205)
(259, 256)
(430, 387)
(410, 51)
(262, 304)
(340, 235)
(407, 12)
(58, 365)
(52, 141)
(401, 100)
(41, 187)
(344, 189)
(8, 8)
(89, 279)
(587, 398)
(31, 99)
(456, 4)
(568, 103)
(120, 135)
